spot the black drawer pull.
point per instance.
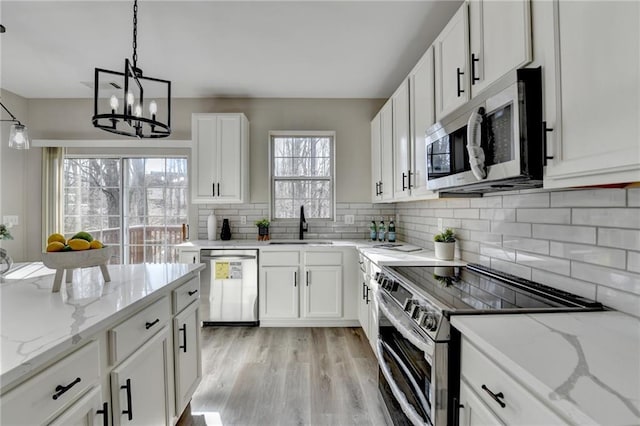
(213, 189)
(148, 325)
(184, 337)
(404, 179)
(459, 73)
(218, 189)
(105, 414)
(295, 279)
(128, 411)
(473, 69)
(62, 389)
(497, 397)
(545, 155)
(192, 292)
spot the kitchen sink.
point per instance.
(301, 242)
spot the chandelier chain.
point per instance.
(135, 34)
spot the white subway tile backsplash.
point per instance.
(572, 285)
(486, 237)
(457, 203)
(559, 216)
(526, 200)
(504, 215)
(511, 268)
(625, 302)
(498, 252)
(633, 261)
(574, 234)
(486, 202)
(439, 212)
(466, 213)
(589, 198)
(621, 280)
(511, 228)
(608, 217)
(552, 264)
(633, 197)
(589, 254)
(526, 244)
(620, 238)
(475, 225)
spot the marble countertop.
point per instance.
(416, 256)
(37, 325)
(586, 366)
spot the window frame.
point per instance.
(332, 178)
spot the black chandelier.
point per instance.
(132, 119)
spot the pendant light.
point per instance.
(19, 136)
(120, 98)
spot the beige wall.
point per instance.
(71, 119)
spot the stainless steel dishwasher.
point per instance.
(229, 286)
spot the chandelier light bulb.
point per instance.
(130, 99)
(114, 103)
(153, 107)
(138, 111)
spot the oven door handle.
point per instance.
(424, 344)
(407, 408)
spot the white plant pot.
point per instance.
(445, 251)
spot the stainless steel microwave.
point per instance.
(495, 143)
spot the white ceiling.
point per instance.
(309, 49)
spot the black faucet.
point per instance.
(303, 224)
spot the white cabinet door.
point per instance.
(279, 290)
(386, 151)
(598, 99)
(474, 412)
(323, 292)
(401, 141)
(451, 60)
(422, 109)
(376, 167)
(139, 391)
(88, 411)
(500, 34)
(187, 356)
(363, 306)
(220, 158)
(189, 256)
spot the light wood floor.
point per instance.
(287, 376)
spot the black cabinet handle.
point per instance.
(545, 130)
(218, 189)
(377, 188)
(295, 279)
(308, 281)
(363, 291)
(148, 325)
(404, 178)
(192, 292)
(194, 259)
(60, 389)
(367, 300)
(105, 414)
(473, 69)
(184, 338)
(213, 189)
(409, 176)
(497, 397)
(459, 73)
(380, 188)
(128, 411)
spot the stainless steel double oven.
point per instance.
(417, 349)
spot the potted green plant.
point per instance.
(263, 229)
(445, 243)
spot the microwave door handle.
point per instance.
(400, 397)
(474, 144)
(231, 256)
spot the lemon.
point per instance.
(83, 236)
(56, 237)
(95, 244)
(77, 244)
(55, 246)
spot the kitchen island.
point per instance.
(111, 322)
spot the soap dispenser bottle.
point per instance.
(212, 226)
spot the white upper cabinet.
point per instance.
(500, 40)
(596, 135)
(220, 158)
(401, 142)
(382, 153)
(452, 63)
(422, 116)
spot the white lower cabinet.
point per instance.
(489, 384)
(87, 411)
(279, 292)
(322, 293)
(473, 412)
(188, 256)
(187, 355)
(139, 386)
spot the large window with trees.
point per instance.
(302, 166)
(137, 205)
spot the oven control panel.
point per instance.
(418, 308)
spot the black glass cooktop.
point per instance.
(475, 288)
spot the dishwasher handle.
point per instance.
(230, 257)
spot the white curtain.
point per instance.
(52, 190)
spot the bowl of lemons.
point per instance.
(79, 251)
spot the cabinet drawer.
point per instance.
(521, 407)
(279, 258)
(324, 258)
(131, 334)
(185, 294)
(33, 402)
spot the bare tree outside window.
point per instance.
(134, 204)
(302, 175)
